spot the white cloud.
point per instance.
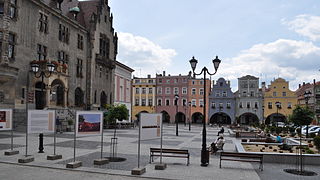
(295, 61)
(143, 55)
(305, 25)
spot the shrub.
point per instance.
(278, 130)
(312, 135)
(272, 129)
(309, 151)
(285, 147)
(316, 142)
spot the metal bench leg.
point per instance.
(220, 163)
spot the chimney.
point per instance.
(228, 82)
(299, 86)
(213, 82)
(314, 81)
(149, 76)
(164, 73)
(263, 84)
(304, 84)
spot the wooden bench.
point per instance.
(243, 157)
(178, 153)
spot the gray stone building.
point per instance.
(77, 37)
(249, 107)
(222, 103)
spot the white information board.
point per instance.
(41, 121)
(5, 119)
(150, 125)
(89, 122)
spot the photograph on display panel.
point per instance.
(89, 122)
(41, 121)
(5, 119)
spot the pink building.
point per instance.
(122, 80)
(167, 87)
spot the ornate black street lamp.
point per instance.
(278, 105)
(189, 103)
(42, 70)
(307, 96)
(193, 63)
(176, 98)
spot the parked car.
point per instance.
(313, 129)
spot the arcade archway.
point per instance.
(248, 118)
(40, 95)
(197, 118)
(166, 116)
(220, 118)
(181, 117)
(275, 117)
(57, 92)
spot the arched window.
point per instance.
(78, 97)
(103, 99)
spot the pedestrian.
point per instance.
(221, 131)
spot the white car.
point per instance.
(311, 129)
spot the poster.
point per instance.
(5, 119)
(89, 122)
(41, 121)
(150, 125)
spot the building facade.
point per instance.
(122, 80)
(248, 101)
(222, 103)
(77, 37)
(196, 97)
(143, 96)
(167, 88)
(278, 91)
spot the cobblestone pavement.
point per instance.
(89, 148)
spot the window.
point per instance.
(95, 97)
(150, 102)
(217, 94)
(193, 91)
(168, 81)
(11, 46)
(159, 102)
(256, 105)
(64, 33)
(150, 91)
(176, 90)
(248, 104)
(143, 102)
(159, 90)
(80, 42)
(136, 102)
(100, 72)
(284, 94)
(1, 8)
(13, 9)
(78, 97)
(251, 93)
(289, 105)
(168, 90)
(184, 102)
(274, 93)
(244, 93)
(137, 81)
(43, 23)
(184, 90)
(221, 83)
(193, 82)
(213, 105)
(220, 105)
(137, 90)
(193, 102)
(201, 82)
(228, 105)
(167, 102)
(104, 46)
(79, 68)
(269, 105)
(240, 105)
(143, 90)
(42, 52)
(201, 91)
(224, 94)
(160, 81)
(176, 102)
(63, 57)
(201, 102)
(175, 81)
(279, 105)
(150, 81)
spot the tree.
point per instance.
(115, 112)
(301, 116)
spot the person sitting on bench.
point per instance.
(262, 134)
(218, 144)
(221, 131)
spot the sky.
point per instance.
(264, 38)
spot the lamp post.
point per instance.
(43, 70)
(307, 96)
(193, 63)
(189, 103)
(176, 98)
(278, 106)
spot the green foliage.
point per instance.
(278, 130)
(301, 116)
(291, 129)
(309, 151)
(285, 147)
(117, 112)
(312, 135)
(70, 122)
(316, 141)
(272, 129)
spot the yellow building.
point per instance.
(278, 91)
(143, 96)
